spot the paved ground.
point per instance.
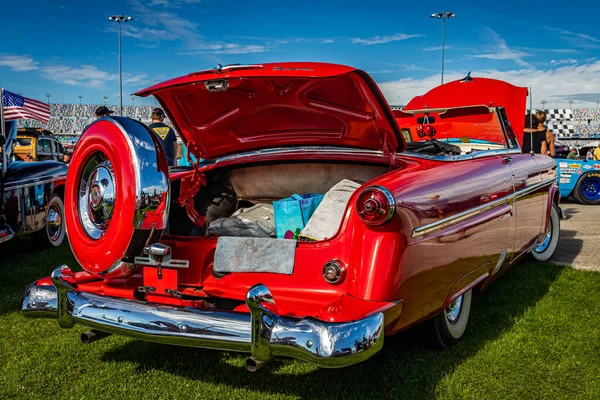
(579, 243)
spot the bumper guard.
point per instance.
(263, 333)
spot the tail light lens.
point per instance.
(375, 205)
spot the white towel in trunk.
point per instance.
(327, 218)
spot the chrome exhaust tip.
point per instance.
(253, 365)
(93, 336)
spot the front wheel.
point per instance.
(449, 326)
(545, 250)
(587, 190)
(53, 234)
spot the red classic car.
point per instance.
(445, 202)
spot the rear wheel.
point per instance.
(449, 326)
(587, 190)
(547, 247)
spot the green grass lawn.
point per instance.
(535, 333)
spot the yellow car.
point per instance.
(37, 144)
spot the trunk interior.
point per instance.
(232, 190)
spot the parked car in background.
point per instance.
(443, 203)
(37, 144)
(33, 202)
(579, 179)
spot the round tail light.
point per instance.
(334, 271)
(375, 205)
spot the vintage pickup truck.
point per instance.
(445, 203)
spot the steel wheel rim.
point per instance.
(54, 222)
(591, 189)
(96, 196)
(454, 309)
(540, 248)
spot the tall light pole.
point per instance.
(105, 100)
(443, 16)
(119, 19)
(570, 103)
(543, 104)
(48, 95)
(80, 97)
(132, 100)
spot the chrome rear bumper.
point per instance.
(263, 333)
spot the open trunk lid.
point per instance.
(477, 91)
(241, 108)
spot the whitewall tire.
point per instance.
(544, 250)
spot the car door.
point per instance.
(528, 206)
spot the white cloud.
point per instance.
(228, 48)
(579, 82)
(436, 48)
(84, 76)
(18, 63)
(501, 51)
(576, 39)
(383, 39)
(563, 62)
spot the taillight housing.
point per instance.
(375, 205)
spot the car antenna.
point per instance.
(467, 78)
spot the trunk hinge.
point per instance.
(387, 151)
(189, 187)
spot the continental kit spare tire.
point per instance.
(116, 196)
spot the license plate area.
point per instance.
(160, 285)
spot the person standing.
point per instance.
(103, 111)
(166, 135)
(589, 155)
(597, 153)
(547, 136)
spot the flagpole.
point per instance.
(4, 157)
(4, 152)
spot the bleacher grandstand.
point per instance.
(67, 121)
(576, 126)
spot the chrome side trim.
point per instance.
(30, 182)
(263, 332)
(467, 214)
(500, 262)
(472, 156)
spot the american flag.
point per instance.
(16, 107)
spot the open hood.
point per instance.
(240, 108)
(478, 91)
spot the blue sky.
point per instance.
(68, 48)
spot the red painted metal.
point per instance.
(479, 91)
(279, 105)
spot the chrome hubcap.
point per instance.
(454, 309)
(96, 196)
(54, 222)
(540, 248)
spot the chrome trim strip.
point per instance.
(471, 156)
(467, 214)
(31, 182)
(263, 332)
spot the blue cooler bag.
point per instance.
(293, 213)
